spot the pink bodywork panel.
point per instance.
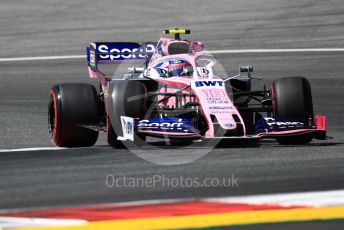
(209, 92)
(213, 100)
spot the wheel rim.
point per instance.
(51, 116)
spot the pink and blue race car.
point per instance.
(175, 89)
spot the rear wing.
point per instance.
(114, 52)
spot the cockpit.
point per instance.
(203, 66)
(173, 67)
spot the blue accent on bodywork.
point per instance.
(108, 52)
(270, 124)
(92, 59)
(208, 83)
(169, 124)
(88, 55)
(176, 61)
(119, 51)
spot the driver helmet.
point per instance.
(179, 67)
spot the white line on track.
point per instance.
(313, 199)
(42, 58)
(310, 199)
(305, 50)
(15, 222)
(30, 149)
(296, 50)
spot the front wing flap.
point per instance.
(273, 128)
(268, 128)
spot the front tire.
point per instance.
(127, 98)
(292, 98)
(111, 136)
(72, 105)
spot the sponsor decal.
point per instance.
(279, 124)
(214, 93)
(163, 72)
(229, 125)
(220, 107)
(273, 122)
(162, 69)
(123, 51)
(209, 83)
(217, 100)
(219, 111)
(165, 124)
(176, 61)
(203, 71)
(127, 128)
(93, 59)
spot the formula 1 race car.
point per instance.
(180, 91)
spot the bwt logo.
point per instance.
(208, 83)
(125, 53)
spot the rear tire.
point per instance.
(72, 105)
(292, 98)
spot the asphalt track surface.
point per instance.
(36, 179)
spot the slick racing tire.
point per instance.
(72, 105)
(127, 98)
(292, 98)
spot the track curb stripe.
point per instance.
(145, 211)
(213, 220)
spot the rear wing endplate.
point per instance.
(114, 52)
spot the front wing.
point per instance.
(181, 128)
